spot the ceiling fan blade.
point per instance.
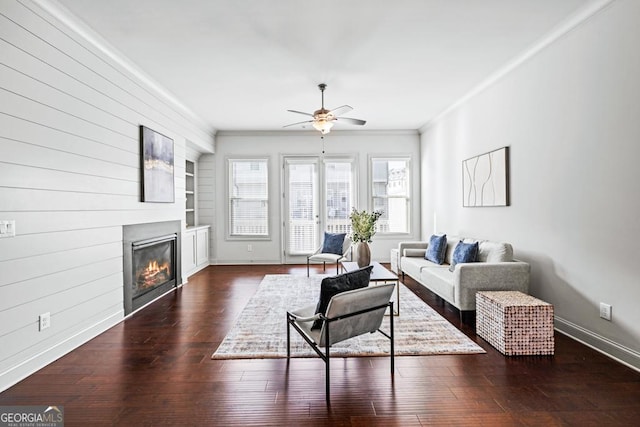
(351, 121)
(341, 110)
(298, 123)
(300, 112)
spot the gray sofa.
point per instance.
(495, 270)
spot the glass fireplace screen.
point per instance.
(153, 264)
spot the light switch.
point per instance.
(7, 228)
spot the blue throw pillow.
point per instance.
(333, 243)
(436, 249)
(331, 286)
(464, 252)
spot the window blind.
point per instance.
(248, 197)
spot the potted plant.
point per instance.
(363, 227)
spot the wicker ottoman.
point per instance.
(515, 323)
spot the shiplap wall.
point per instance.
(70, 178)
(206, 193)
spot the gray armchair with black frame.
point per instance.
(335, 247)
(348, 314)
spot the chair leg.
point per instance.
(288, 337)
(324, 266)
(337, 266)
(326, 367)
(392, 344)
(307, 266)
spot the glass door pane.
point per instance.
(302, 221)
(338, 196)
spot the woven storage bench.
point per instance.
(515, 323)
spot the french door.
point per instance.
(318, 196)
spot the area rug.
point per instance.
(261, 329)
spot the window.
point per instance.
(338, 195)
(248, 198)
(391, 193)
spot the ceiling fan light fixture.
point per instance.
(322, 125)
(323, 121)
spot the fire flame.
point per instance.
(155, 273)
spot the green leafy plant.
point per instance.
(363, 225)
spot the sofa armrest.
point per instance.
(489, 276)
(413, 246)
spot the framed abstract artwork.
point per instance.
(485, 179)
(157, 166)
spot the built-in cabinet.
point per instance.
(195, 249)
(195, 238)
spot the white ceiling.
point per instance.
(240, 64)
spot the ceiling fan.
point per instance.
(323, 120)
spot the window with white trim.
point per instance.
(248, 198)
(338, 194)
(391, 193)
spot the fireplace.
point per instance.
(151, 262)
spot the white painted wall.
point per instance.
(70, 178)
(571, 117)
(277, 144)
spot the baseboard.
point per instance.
(188, 274)
(245, 262)
(38, 361)
(152, 301)
(618, 352)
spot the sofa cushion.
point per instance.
(464, 252)
(494, 252)
(451, 245)
(331, 286)
(440, 281)
(333, 243)
(414, 265)
(436, 249)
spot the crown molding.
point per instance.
(315, 133)
(557, 33)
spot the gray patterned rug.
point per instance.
(261, 329)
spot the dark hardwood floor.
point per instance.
(155, 369)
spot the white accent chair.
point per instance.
(348, 315)
(324, 258)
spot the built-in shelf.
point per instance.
(195, 237)
(190, 193)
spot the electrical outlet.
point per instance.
(45, 320)
(249, 248)
(605, 311)
(8, 228)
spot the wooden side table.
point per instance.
(515, 323)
